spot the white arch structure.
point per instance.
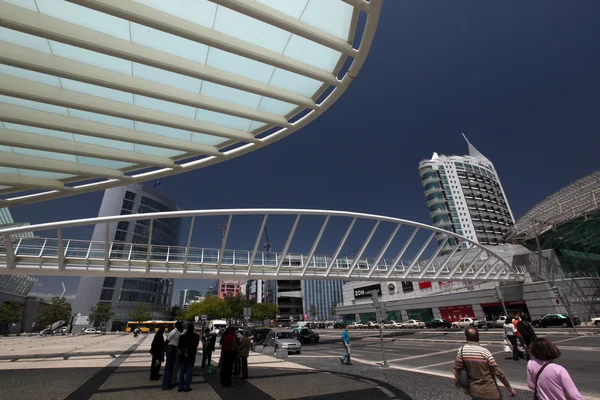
(101, 93)
(416, 251)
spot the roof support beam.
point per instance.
(287, 245)
(418, 256)
(30, 182)
(340, 246)
(224, 243)
(363, 248)
(45, 164)
(60, 250)
(153, 18)
(9, 137)
(470, 266)
(360, 4)
(46, 120)
(401, 253)
(315, 245)
(20, 19)
(448, 258)
(432, 258)
(383, 250)
(23, 57)
(34, 91)
(283, 21)
(189, 242)
(257, 243)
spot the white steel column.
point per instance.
(314, 246)
(10, 252)
(60, 251)
(447, 260)
(401, 253)
(106, 246)
(187, 247)
(340, 246)
(466, 272)
(363, 248)
(459, 263)
(149, 253)
(433, 257)
(383, 250)
(415, 260)
(257, 243)
(287, 245)
(223, 243)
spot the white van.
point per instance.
(217, 325)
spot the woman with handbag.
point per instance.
(549, 381)
(510, 334)
(157, 349)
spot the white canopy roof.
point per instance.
(100, 93)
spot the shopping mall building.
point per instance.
(557, 243)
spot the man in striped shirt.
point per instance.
(482, 369)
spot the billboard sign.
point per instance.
(365, 291)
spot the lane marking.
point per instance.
(424, 355)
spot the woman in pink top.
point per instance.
(553, 382)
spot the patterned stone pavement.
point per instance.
(117, 367)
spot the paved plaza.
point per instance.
(116, 366)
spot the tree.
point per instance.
(101, 314)
(177, 313)
(333, 310)
(140, 313)
(10, 313)
(263, 311)
(57, 309)
(236, 304)
(212, 306)
(312, 310)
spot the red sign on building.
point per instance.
(228, 288)
(455, 313)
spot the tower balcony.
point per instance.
(433, 190)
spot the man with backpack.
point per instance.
(527, 332)
(188, 345)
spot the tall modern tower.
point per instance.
(125, 293)
(186, 295)
(465, 196)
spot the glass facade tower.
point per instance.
(125, 293)
(465, 196)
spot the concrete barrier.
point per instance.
(268, 351)
(282, 353)
(259, 348)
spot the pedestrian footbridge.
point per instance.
(311, 244)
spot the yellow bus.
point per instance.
(150, 326)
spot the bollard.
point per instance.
(282, 353)
(259, 348)
(268, 351)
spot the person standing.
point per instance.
(549, 381)
(245, 345)
(528, 334)
(172, 351)
(345, 359)
(515, 321)
(227, 355)
(208, 346)
(482, 370)
(510, 335)
(188, 347)
(157, 349)
(236, 356)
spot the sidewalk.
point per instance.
(269, 378)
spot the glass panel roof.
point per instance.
(151, 68)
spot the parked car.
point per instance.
(596, 321)
(339, 325)
(89, 331)
(355, 325)
(438, 323)
(498, 323)
(414, 323)
(392, 325)
(305, 335)
(373, 325)
(283, 341)
(468, 322)
(61, 331)
(555, 320)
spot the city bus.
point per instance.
(150, 326)
(217, 325)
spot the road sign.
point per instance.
(247, 312)
(196, 318)
(81, 320)
(204, 317)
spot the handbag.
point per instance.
(463, 378)
(537, 376)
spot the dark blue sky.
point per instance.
(521, 79)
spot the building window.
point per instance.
(129, 195)
(109, 282)
(106, 294)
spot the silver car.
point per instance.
(283, 341)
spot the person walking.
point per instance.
(157, 349)
(528, 334)
(236, 356)
(244, 354)
(481, 369)
(227, 356)
(515, 321)
(208, 346)
(510, 335)
(188, 347)
(172, 356)
(345, 359)
(549, 381)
